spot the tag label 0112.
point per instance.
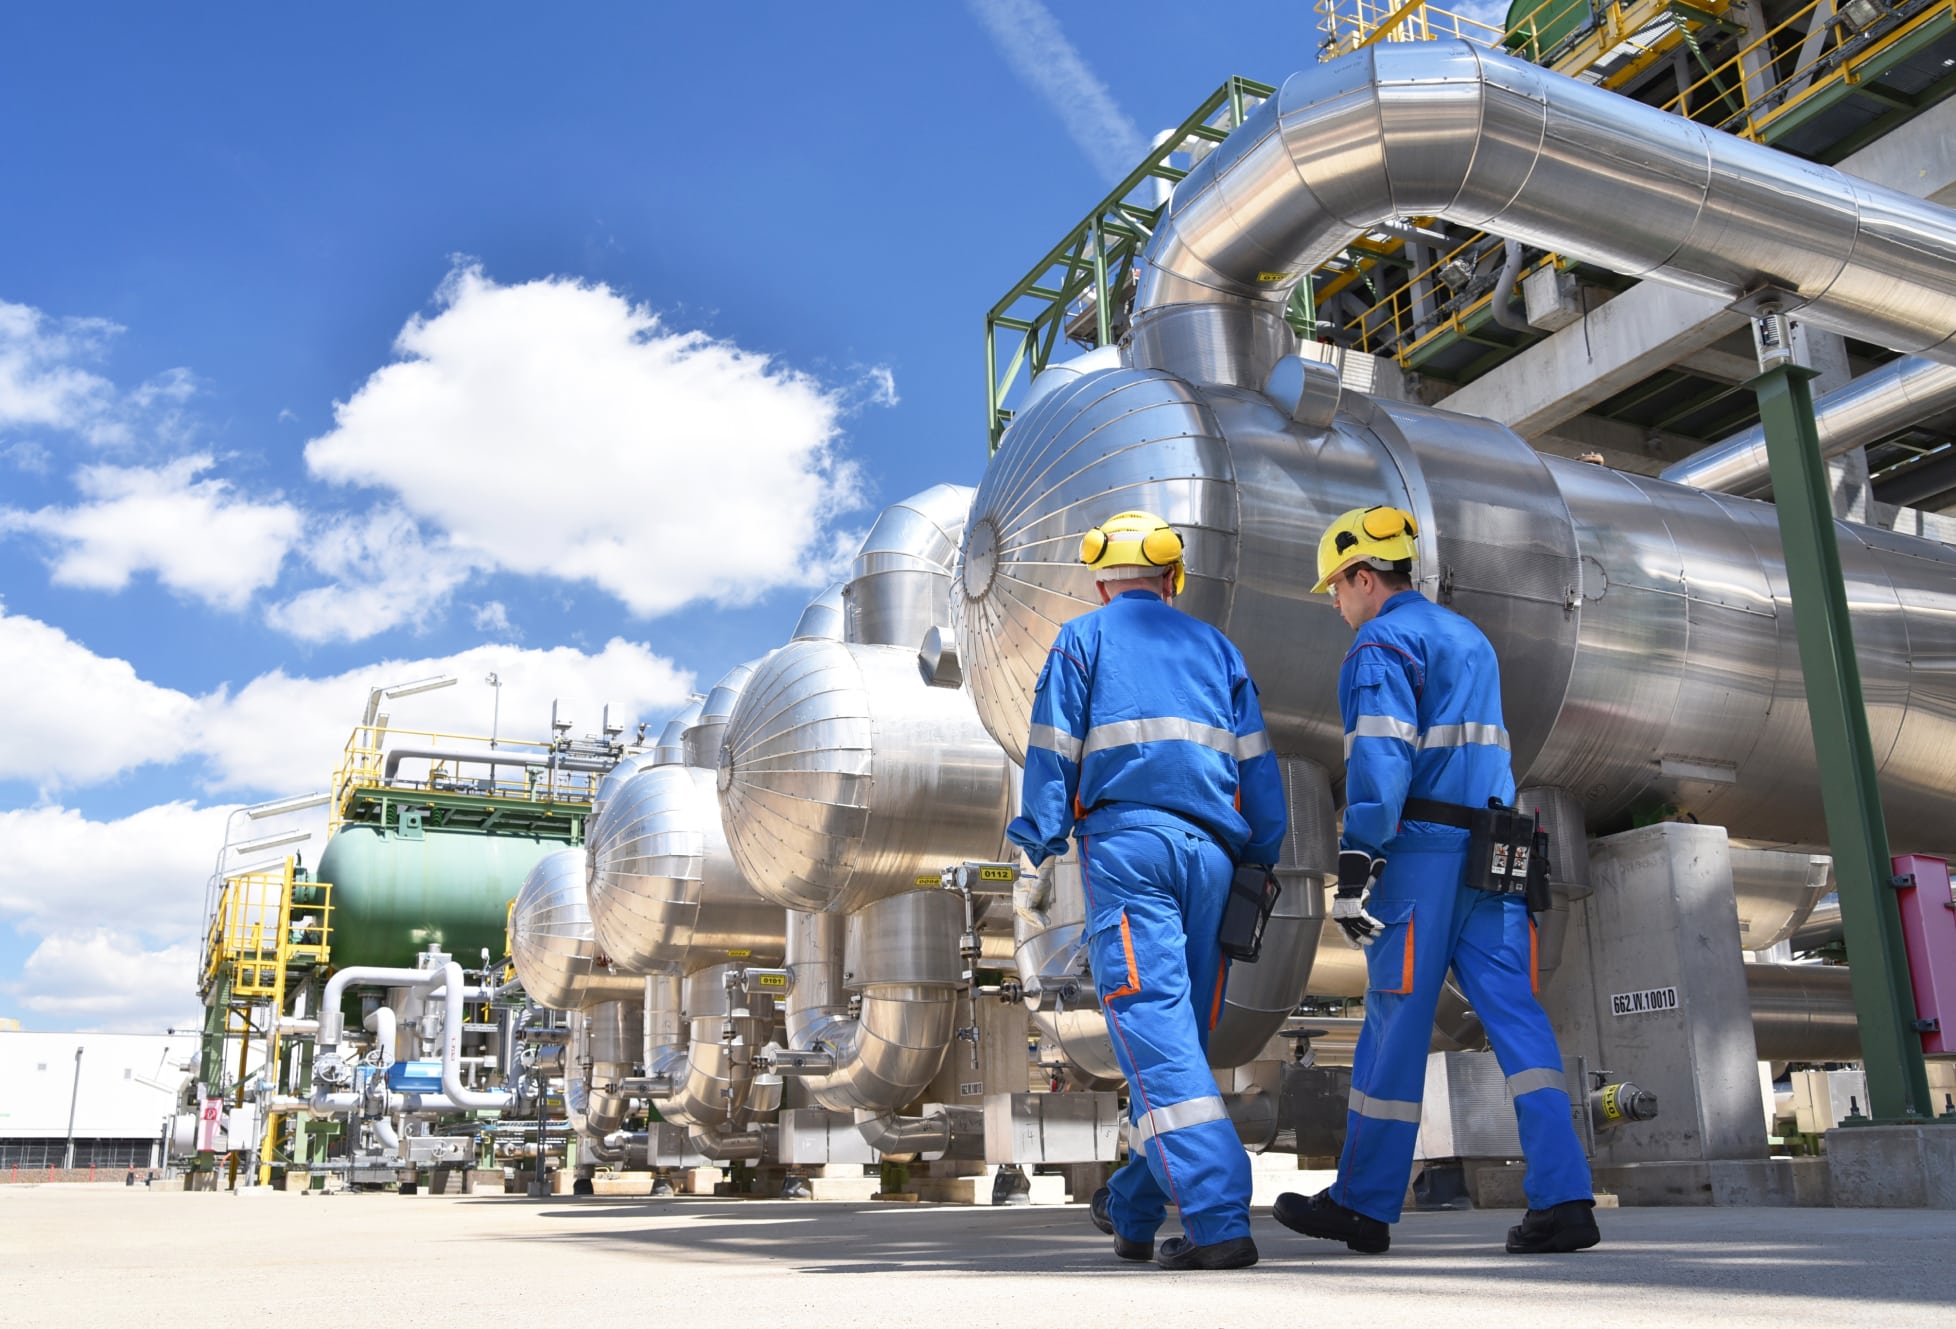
(1648, 1002)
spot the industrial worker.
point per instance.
(1147, 746)
(1425, 754)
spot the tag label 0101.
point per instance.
(1648, 1002)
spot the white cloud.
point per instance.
(64, 873)
(196, 535)
(386, 574)
(555, 429)
(72, 716)
(41, 383)
(493, 617)
(108, 981)
(1030, 39)
(78, 718)
(27, 456)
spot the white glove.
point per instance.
(1358, 873)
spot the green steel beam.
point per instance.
(1884, 1004)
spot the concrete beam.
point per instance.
(1651, 327)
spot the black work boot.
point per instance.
(1321, 1216)
(1557, 1230)
(1181, 1253)
(1138, 1251)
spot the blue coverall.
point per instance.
(1147, 744)
(1421, 696)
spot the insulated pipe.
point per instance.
(489, 757)
(330, 1021)
(390, 1137)
(1501, 305)
(952, 1129)
(1875, 405)
(1803, 1012)
(1452, 130)
(383, 1024)
(717, 1143)
(902, 960)
(452, 993)
(719, 1078)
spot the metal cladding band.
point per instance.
(1259, 998)
(671, 750)
(552, 943)
(1452, 130)
(1880, 402)
(1645, 631)
(719, 1088)
(667, 896)
(901, 956)
(703, 737)
(902, 573)
(1776, 892)
(846, 777)
(822, 618)
(1803, 1012)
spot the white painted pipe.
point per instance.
(384, 1023)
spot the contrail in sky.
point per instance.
(1029, 37)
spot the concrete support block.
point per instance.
(1893, 1167)
(977, 1189)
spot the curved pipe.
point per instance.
(889, 1053)
(719, 1074)
(1479, 138)
(363, 975)
(714, 1142)
(1502, 304)
(383, 1022)
(952, 1130)
(1875, 405)
(452, 993)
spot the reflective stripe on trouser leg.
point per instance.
(1389, 1065)
(1490, 961)
(1198, 1165)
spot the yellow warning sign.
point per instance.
(740, 954)
(1272, 278)
(928, 879)
(997, 874)
(770, 980)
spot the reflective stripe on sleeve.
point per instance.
(1252, 745)
(1381, 726)
(1054, 740)
(1527, 1082)
(1177, 1116)
(1384, 1109)
(1460, 735)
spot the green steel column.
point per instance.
(1103, 316)
(1884, 1002)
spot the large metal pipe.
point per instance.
(1452, 130)
(899, 957)
(390, 768)
(1803, 1012)
(453, 991)
(719, 1088)
(552, 942)
(1875, 405)
(900, 585)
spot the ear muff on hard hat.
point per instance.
(1134, 540)
(1380, 537)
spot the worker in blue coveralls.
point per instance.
(1147, 746)
(1426, 750)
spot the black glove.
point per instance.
(1358, 873)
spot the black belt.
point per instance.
(1457, 815)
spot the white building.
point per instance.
(121, 1092)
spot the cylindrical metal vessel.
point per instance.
(611, 786)
(394, 894)
(1803, 1012)
(703, 737)
(844, 778)
(1645, 629)
(671, 750)
(902, 574)
(551, 940)
(1776, 892)
(667, 896)
(822, 618)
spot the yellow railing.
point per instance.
(260, 930)
(1745, 94)
(510, 770)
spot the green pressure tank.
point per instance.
(393, 894)
(1536, 27)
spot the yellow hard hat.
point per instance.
(1134, 540)
(1379, 536)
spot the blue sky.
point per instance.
(358, 344)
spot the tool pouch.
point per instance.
(1252, 895)
(1500, 848)
(1538, 874)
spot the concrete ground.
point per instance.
(108, 1256)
